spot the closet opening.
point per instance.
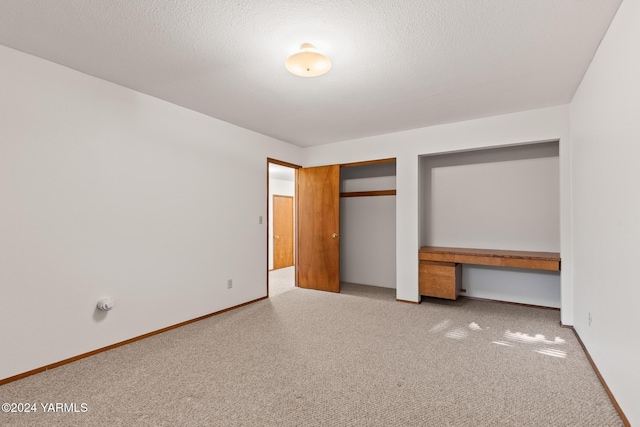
(496, 199)
(368, 223)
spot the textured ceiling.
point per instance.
(396, 64)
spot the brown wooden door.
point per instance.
(282, 231)
(319, 228)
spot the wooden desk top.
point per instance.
(494, 257)
(549, 256)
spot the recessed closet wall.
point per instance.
(503, 198)
(368, 226)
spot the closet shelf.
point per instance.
(369, 193)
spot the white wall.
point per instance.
(108, 192)
(281, 188)
(368, 240)
(605, 132)
(546, 124)
(501, 198)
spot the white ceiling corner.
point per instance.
(396, 65)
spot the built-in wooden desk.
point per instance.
(441, 268)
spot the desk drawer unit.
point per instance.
(440, 279)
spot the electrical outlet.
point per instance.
(229, 283)
(260, 219)
(589, 319)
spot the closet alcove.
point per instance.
(504, 198)
(368, 223)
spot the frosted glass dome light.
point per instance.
(308, 62)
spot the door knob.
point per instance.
(276, 237)
(335, 235)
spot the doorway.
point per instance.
(281, 220)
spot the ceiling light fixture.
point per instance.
(308, 62)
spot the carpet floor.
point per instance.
(312, 358)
